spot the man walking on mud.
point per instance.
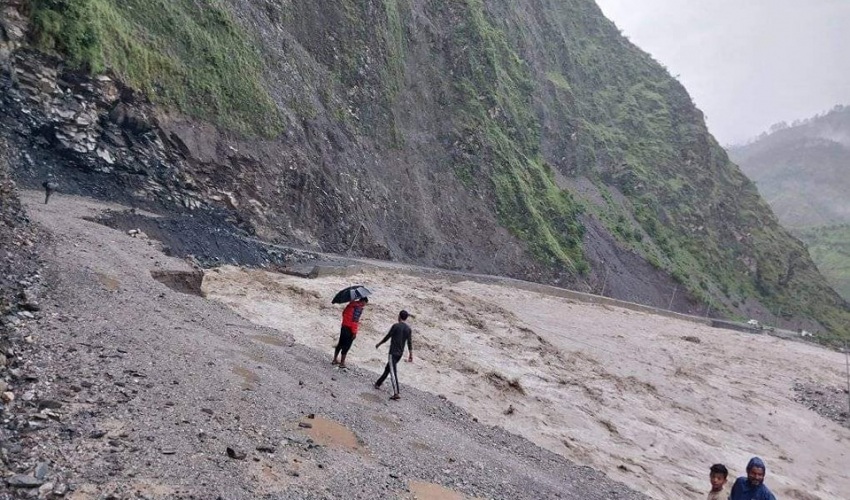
(348, 331)
(399, 335)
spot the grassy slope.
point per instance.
(187, 54)
(535, 86)
(829, 247)
(625, 122)
(499, 128)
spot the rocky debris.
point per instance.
(210, 240)
(235, 454)
(21, 481)
(829, 402)
(21, 291)
(98, 127)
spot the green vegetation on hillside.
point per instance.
(189, 54)
(614, 115)
(829, 247)
(497, 123)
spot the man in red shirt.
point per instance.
(348, 331)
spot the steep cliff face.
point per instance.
(520, 138)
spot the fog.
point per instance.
(747, 64)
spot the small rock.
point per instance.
(45, 489)
(97, 434)
(8, 397)
(311, 416)
(169, 451)
(236, 454)
(49, 404)
(266, 449)
(207, 411)
(31, 306)
(3, 386)
(41, 471)
(305, 425)
(21, 481)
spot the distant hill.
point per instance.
(803, 170)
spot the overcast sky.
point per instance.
(747, 63)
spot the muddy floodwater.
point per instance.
(628, 393)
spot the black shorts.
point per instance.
(346, 338)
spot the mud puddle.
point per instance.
(429, 491)
(332, 434)
(250, 378)
(270, 340)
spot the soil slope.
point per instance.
(143, 389)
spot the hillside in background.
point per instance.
(803, 171)
(527, 139)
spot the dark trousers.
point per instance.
(390, 370)
(346, 338)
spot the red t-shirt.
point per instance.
(351, 315)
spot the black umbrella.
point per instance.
(355, 292)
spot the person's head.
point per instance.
(756, 471)
(717, 476)
(365, 300)
(403, 315)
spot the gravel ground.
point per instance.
(828, 402)
(214, 240)
(138, 391)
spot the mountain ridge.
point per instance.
(802, 170)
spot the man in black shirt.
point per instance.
(398, 335)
